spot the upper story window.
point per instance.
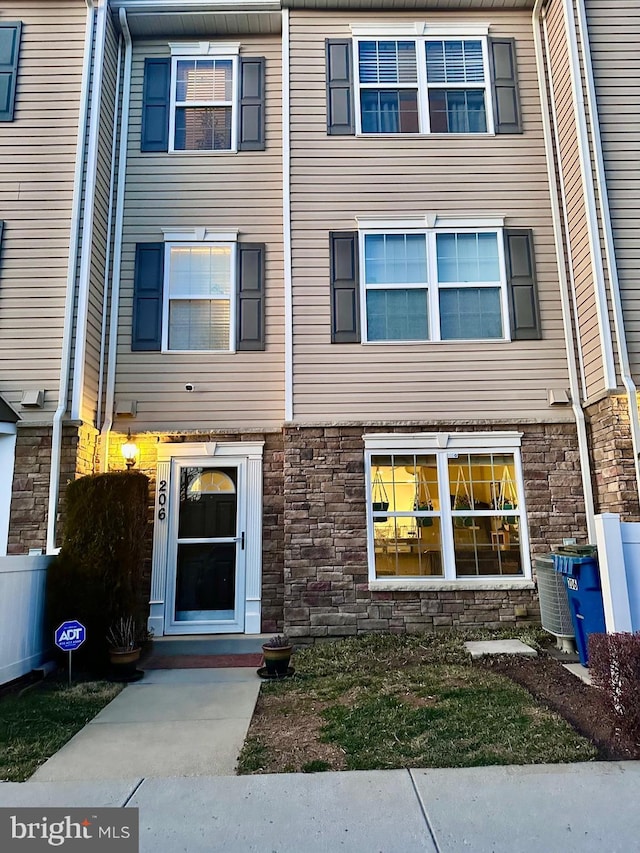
(198, 291)
(199, 297)
(205, 98)
(423, 86)
(454, 280)
(422, 79)
(434, 286)
(203, 104)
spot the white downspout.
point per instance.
(107, 264)
(583, 446)
(602, 309)
(74, 233)
(286, 221)
(117, 246)
(84, 281)
(612, 266)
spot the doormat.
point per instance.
(202, 661)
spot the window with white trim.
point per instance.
(203, 103)
(438, 513)
(434, 285)
(199, 296)
(423, 85)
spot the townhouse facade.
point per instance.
(351, 280)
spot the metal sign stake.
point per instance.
(70, 653)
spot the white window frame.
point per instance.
(204, 50)
(432, 285)
(442, 445)
(166, 299)
(421, 84)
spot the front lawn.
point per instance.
(37, 723)
(382, 702)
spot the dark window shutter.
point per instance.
(146, 333)
(1, 234)
(155, 105)
(504, 81)
(250, 297)
(521, 280)
(345, 291)
(9, 52)
(251, 131)
(339, 88)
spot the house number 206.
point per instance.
(162, 500)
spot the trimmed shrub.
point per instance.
(97, 577)
(614, 665)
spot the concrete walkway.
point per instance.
(175, 722)
(570, 808)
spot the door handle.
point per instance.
(242, 541)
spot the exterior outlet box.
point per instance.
(558, 397)
(32, 399)
(520, 610)
(126, 408)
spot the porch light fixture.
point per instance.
(129, 451)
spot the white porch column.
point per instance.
(253, 539)
(155, 622)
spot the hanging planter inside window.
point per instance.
(422, 502)
(379, 499)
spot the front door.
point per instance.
(206, 549)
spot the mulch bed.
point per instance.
(582, 706)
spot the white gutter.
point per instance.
(583, 446)
(107, 264)
(602, 309)
(286, 221)
(74, 233)
(117, 245)
(612, 266)
(84, 282)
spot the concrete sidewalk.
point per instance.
(175, 722)
(578, 808)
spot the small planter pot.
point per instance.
(276, 659)
(123, 664)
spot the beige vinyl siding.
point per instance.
(219, 191)
(576, 212)
(336, 178)
(37, 161)
(614, 33)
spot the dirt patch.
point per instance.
(288, 733)
(581, 705)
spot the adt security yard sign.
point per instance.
(69, 637)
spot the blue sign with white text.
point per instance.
(70, 636)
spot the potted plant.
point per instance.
(277, 654)
(124, 649)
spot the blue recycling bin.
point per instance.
(582, 580)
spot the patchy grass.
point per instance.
(382, 702)
(37, 723)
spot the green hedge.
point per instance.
(98, 575)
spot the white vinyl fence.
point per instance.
(22, 590)
(619, 558)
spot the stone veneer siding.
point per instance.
(30, 492)
(273, 505)
(613, 466)
(326, 588)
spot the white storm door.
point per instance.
(206, 553)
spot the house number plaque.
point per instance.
(162, 500)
